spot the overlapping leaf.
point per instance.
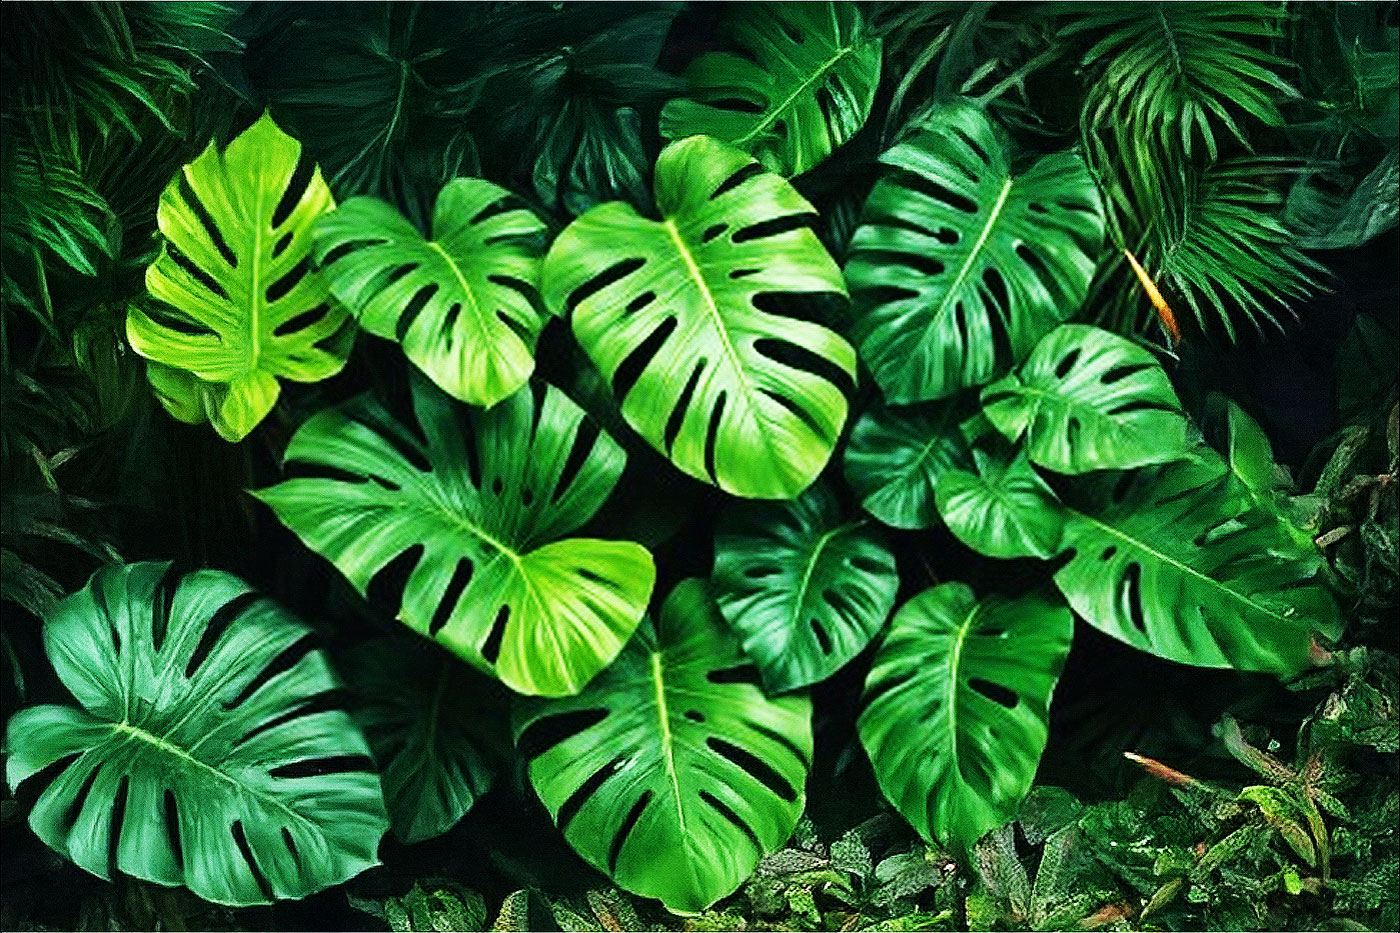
(804, 591)
(459, 303)
(672, 772)
(801, 84)
(962, 263)
(896, 455)
(202, 751)
(242, 306)
(957, 707)
(678, 315)
(469, 507)
(1003, 509)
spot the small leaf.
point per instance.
(1003, 510)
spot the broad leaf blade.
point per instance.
(804, 592)
(1178, 561)
(202, 756)
(471, 511)
(734, 394)
(962, 264)
(957, 707)
(672, 772)
(1089, 400)
(1004, 509)
(245, 306)
(459, 303)
(896, 455)
(802, 87)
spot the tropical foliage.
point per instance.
(699, 466)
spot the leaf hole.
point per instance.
(614, 273)
(285, 660)
(625, 829)
(549, 731)
(774, 227)
(491, 648)
(749, 171)
(296, 188)
(995, 692)
(636, 362)
(303, 320)
(386, 587)
(461, 576)
(218, 623)
(755, 767)
(240, 839)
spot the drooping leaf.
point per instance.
(957, 707)
(201, 751)
(436, 727)
(672, 772)
(1003, 509)
(459, 303)
(678, 315)
(470, 508)
(895, 456)
(1322, 218)
(804, 591)
(961, 264)
(1178, 561)
(801, 84)
(242, 305)
(1089, 400)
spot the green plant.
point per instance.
(971, 299)
(198, 754)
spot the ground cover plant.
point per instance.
(878, 466)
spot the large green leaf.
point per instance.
(804, 591)
(242, 305)
(672, 772)
(1003, 509)
(896, 455)
(437, 729)
(801, 84)
(202, 750)
(1089, 400)
(468, 506)
(1179, 561)
(459, 303)
(678, 315)
(962, 264)
(957, 707)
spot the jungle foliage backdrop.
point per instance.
(878, 466)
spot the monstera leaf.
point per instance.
(802, 86)
(672, 771)
(895, 457)
(1177, 560)
(437, 729)
(460, 302)
(1004, 509)
(804, 592)
(1089, 400)
(677, 314)
(203, 750)
(957, 707)
(960, 266)
(467, 507)
(241, 304)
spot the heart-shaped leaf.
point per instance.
(468, 506)
(801, 85)
(957, 707)
(672, 771)
(203, 750)
(1004, 509)
(459, 303)
(240, 305)
(1089, 400)
(804, 591)
(896, 455)
(961, 264)
(678, 314)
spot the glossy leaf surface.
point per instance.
(470, 506)
(800, 85)
(459, 303)
(895, 457)
(1003, 509)
(1089, 400)
(676, 315)
(672, 772)
(957, 707)
(201, 751)
(804, 591)
(961, 264)
(242, 306)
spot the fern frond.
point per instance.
(1232, 250)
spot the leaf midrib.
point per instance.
(770, 116)
(481, 320)
(663, 714)
(974, 253)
